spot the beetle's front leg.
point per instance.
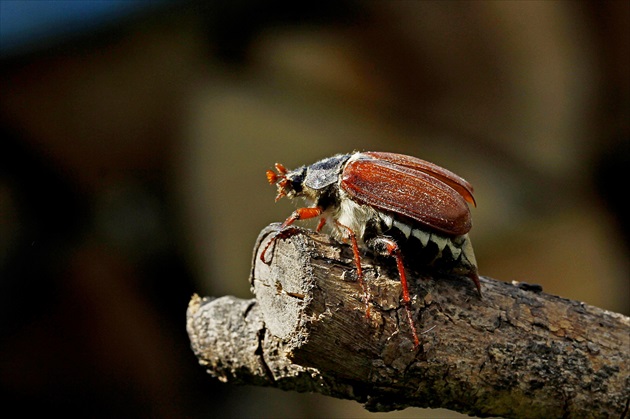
(386, 246)
(284, 232)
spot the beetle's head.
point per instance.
(289, 182)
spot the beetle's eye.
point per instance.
(297, 185)
(297, 180)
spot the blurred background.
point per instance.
(136, 135)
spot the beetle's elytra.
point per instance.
(384, 202)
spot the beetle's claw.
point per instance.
(264, 252)
(475, 278)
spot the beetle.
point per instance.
(387, 203)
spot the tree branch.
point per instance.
(517, 352)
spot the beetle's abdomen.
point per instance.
(423, 247)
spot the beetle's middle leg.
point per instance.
(386, 246)
(284, 232)
(357, 261)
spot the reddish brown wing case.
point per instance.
(446, 176)
(422, 191)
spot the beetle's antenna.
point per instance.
(281, 169)
(280, 179)
(271, 177)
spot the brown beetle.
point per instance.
(384, 202)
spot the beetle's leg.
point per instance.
(386, 246)
(468, 264)
(321, 224)
(283, 233)
(357, 262)
(475, 278)
(302, 214)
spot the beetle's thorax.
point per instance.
(318, 184)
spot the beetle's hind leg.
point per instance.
(474, 276)
(386, 246)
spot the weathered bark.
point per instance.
(513, 353)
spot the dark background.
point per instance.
(135, 137)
